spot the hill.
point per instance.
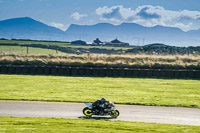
(158, 48)
(28, 28)
(135, 34)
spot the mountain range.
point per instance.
(135, 34)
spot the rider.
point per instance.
(100, 105)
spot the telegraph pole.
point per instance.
(27, 50)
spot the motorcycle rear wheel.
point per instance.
(87, 111)
(114, 114)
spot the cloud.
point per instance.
(77, 16)
(185, 14)
(148, 15)
(59, 26)
(115, 13)
(181, 25)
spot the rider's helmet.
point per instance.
(103, 100)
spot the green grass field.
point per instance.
(59, 125)
(101, 47)
(23, 50)
(61, 44)
(141, 91)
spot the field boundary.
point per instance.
(67, 49)
(97, 72)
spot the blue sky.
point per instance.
(184, 14)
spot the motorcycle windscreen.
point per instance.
(88, 104)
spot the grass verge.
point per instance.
(58, 125)
(23, 50)
(141, 91)
(103, 60)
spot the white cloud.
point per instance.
(148, 15)
(59, 26)
(182, 26)
(114, 13)
(77, 16)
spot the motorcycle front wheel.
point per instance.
(114, 114)
(87, 111)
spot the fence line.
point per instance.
(99, 72)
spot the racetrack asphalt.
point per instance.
(135, 113)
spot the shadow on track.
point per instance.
(96, 118)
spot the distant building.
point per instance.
(97, 42)
(116, 43)
(78, 42)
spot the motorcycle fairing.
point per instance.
(89, 105)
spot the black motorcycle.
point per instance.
(112, 110)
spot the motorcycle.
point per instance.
(112, 110)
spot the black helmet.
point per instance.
(103, 100)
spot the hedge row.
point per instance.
(99, 72)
